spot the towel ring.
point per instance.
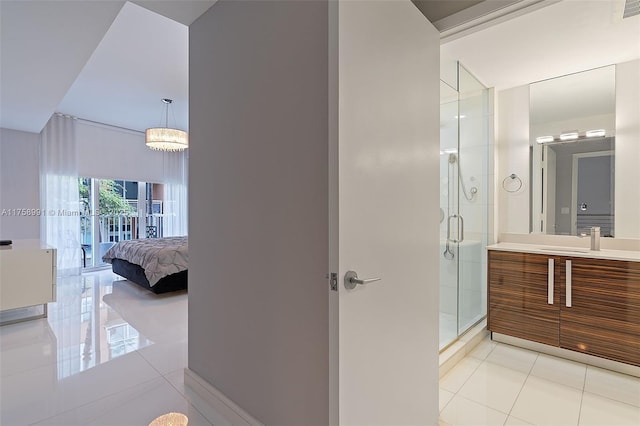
(513, 177)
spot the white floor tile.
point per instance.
(560, 371)
(463, 412)
(599, 411)
(512, 357)
(176, 378)
(547, 403)
(612, 385)
(166, 357)
(138, 405)
(514, 421)
(494, 386)
(444, 396)
(482, 349)
(459, 374)
(27, 346)
(40, 393)
(109, 353)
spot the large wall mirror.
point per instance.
(572, 140)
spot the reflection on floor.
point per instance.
(498, 384)
(109, 353)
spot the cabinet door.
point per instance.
(604, 317)
(26, 278)
(519, 297)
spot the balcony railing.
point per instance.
(114, 228)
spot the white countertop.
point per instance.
(627, 255)
(27, 245)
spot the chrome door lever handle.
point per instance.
(351, 280)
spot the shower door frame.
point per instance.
(468, 194)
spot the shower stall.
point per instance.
(465, 191)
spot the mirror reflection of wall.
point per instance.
(572, 127)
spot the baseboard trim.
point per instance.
(465, 344)
(607, 364)
(213, 404)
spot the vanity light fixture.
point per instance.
(569, 136)
(572, 136)
(544, 139)
(595, 133)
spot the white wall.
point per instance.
(513, 145)
(258, 213)
(19, 183)
(513, 158)
(103, 152)
(627, 147)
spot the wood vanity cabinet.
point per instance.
(518, 297)
(604, 317)
(590, 305)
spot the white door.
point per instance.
(388, 215)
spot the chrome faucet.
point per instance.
(595, 238)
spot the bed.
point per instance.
(157, 264)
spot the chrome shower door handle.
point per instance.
(351, 280)
(453, 216)
(460, 221)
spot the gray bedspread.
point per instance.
(158, 256)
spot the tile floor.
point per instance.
(110, 353)
(498, 384)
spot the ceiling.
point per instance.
(435, 10)
(113, 61)
(561, 38)
(105, 61)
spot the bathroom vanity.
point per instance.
(576, 299)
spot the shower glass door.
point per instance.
(448, 214)
(464, 204)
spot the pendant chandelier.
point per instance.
(166, 138)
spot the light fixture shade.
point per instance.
(545, 139)
(569, 136)
(166, 139)
(596, 133)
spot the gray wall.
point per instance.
(258, 222)
(19, 183)
(564, 178)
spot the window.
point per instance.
(117, 210)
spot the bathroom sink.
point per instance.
(570, 250)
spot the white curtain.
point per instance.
(60, 204)
(175, 194)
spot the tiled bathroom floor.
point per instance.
(498, 384)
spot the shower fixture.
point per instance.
(469, 195)
(453, 159)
